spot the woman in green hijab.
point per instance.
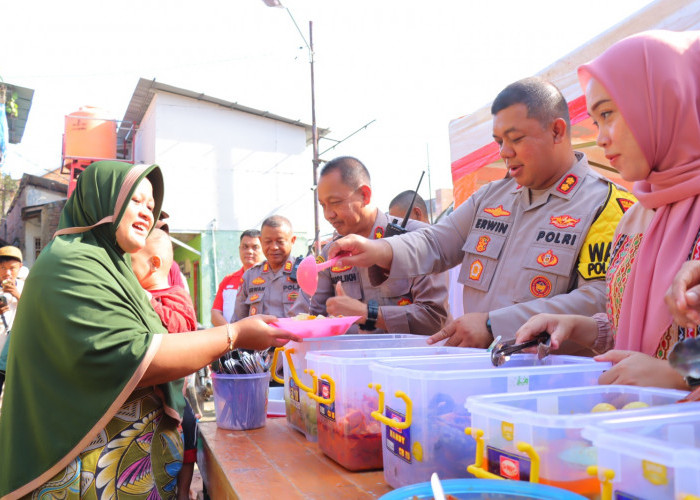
(93, 395)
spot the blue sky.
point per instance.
(412, 66)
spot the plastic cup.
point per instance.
(240, 400)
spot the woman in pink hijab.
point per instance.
(643, 93)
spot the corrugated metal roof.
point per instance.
(17, 124)
(146, 89)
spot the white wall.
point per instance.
(31, 230)
(145, 143)
(226, 165)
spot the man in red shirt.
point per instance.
(250, 252)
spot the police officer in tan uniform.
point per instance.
(268, 287)
(537, 241)
(402, 305)
(402, 202)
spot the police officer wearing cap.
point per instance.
(404, 305)
(537, 241)
(268, 287)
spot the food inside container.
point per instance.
(347, 432)
(652, 456)
(539, 433)
(424, 415)
(354, 440)
(297, 383)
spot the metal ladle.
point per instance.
(685, 357)
(501, 353)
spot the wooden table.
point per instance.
(277, 462)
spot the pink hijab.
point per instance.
(654, 78)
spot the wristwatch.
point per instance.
(488, 326)
(372, 315)
(693, 382)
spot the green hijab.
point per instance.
(81, 336)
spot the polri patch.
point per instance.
(378, 233)
(253, 310)
(404, 301)
(567, 184)
(540, 286)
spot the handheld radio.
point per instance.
(393, 228)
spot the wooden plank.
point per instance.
(276, 461)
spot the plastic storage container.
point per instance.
(538, 435)
(652, 456)
(482, 489)
(300, 409)
(346, 430)
(240, 401)
(424, 405)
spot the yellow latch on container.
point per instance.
(380, 417)
(292, 371)
(605, 477)
(273, 366)
(314, 393)
(477, 468)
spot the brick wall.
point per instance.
(50, 216)
(13, 226)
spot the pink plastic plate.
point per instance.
(324, 327)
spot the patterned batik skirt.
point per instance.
(136, 456)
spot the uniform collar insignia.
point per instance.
(567, 184)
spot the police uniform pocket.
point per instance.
(393, 292)
(481, 253)
(254, 302)
(291, 294)
(351, 283)
(255, 297)
(487, 245)
(546, 273)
